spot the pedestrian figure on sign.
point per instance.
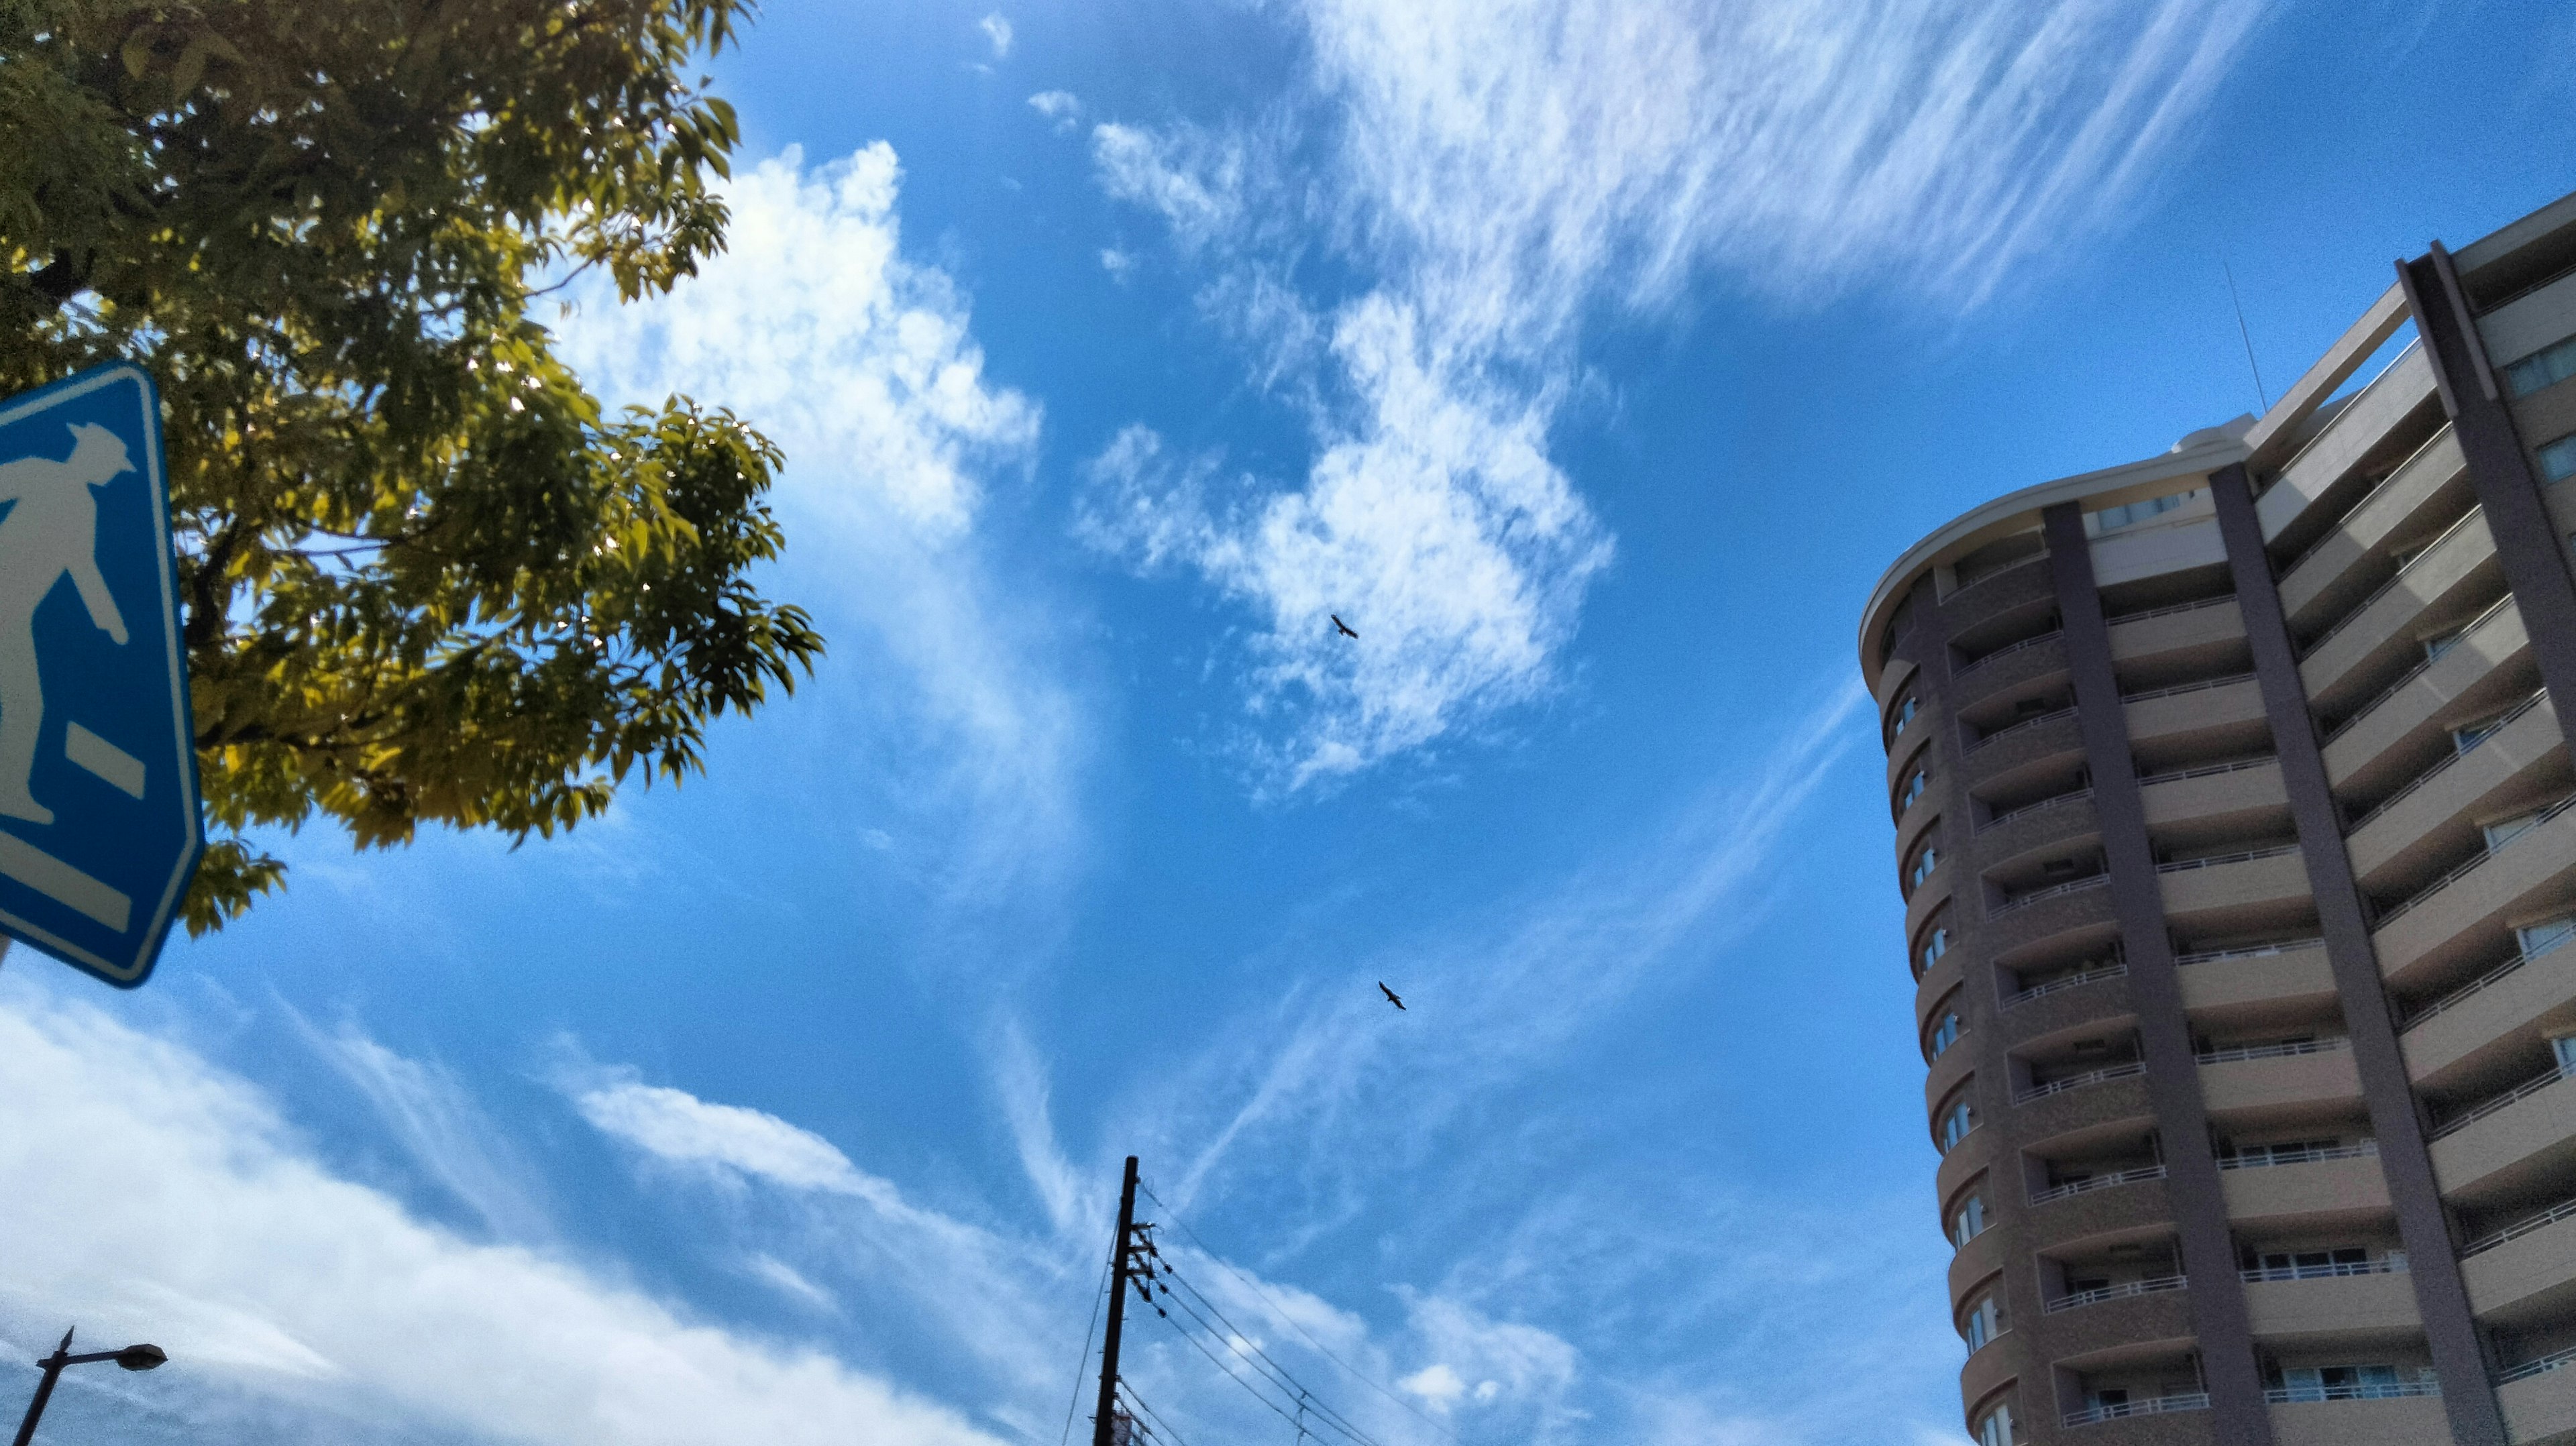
(51, 530)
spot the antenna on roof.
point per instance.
(2250, 364)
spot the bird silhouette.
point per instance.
(1344, 627)
(1390, 994)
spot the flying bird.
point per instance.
(1390, 994)
(1345, 629)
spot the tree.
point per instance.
(426, 578)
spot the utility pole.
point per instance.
(1103, 1423)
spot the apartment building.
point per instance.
(2236, 828)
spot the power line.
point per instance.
(1282, 1313)
(1163, 1428)
(1241, 1343)
(1097, 1297)
(1287, 1384)
(1201, 1346)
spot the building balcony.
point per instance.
(2538, 1397)
(2526, 1271)
(2244, 796)
(2186, 637)
(2367, 751)
(2330, 575)
(2452, 575)
(2151, 1406)
(2123, 1291)
(2239, 892)
(2347, 438)
(2290, 1080)
(2109, 1180)
(2408, 1413)
(2508, 1141)
(2434, 927)
(2315, 1304)
(2317, 1189)
(2399, 838)
(2490, 1016)
(2216, 718)
(2271, 976)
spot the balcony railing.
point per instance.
(2252, 1160)
(2363, 606)
(1998, 570)
(2357, 1391)
(2542, 1366)
(2071, 886)
(2563, 1210)
(2291, 570)
(2011, 729)
(2274, 1051)
(2349, 409)
(2122, 1291)
(2256, 951)
(2051, 802)
(2539, 821)
(2498, 725)
(2488, 980)
(2206, 770)
(2152, 1406)
(2246, 857)
(2079, 1081)
(2170, 609)
(2097, 1182)
(2385, 1265)
(2007, 650)
(2086, 976)
(2453, 1124)
(2494, 610)
(2178, 689)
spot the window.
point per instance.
(1935, 944)
(2503, 831)
(2470, 735)
(2340, 1383)
(1968, 1221)
(1914, 787)
(1944, 1036)
(1985, 1322)
(1996, 1428)
(2436, 646)
(2539, 939)
(1956, 1124)
(2545, 367)
(1924, 863)
(2565, 1049)
(2558, 459)
(2111, 519)
(1903, 715)
(2311, 1264)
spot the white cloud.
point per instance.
(1119, 264)
(439, 1125)
(1495, 174)
(862, 364)
(678, 1127)
(997, 29)
(1060, 106)
(1192, 178)
(791, 1282)
(174, 1205)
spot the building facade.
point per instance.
(2236, 827)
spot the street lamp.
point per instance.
(132, 1358)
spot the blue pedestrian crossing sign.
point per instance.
(99, 829)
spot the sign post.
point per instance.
(99, 827)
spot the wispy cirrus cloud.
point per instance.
(862, 364)
(1494, 176)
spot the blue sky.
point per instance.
(1591, 363)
